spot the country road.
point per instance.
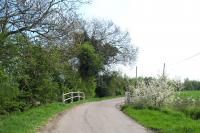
(96, 117)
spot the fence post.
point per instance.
(72, 97)
(79, 96)
(83, 96)
(63, 98)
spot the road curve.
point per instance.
(96, 117)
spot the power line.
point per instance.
(186, 59)
(197, 54)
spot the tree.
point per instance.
(90, 64)
(156, 93)
(110, 84)
(46, 49)
(90, 61)
(191, 85)
(44, 19)
(112, 43)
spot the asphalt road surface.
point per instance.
(95, 117)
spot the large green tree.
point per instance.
(90, 61)
(90, 64)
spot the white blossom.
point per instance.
(157, 93)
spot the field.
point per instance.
(181, 117)
(190, 94)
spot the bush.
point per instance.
(189, 107)
(8, 93)
(90, 86)
(193, 112)
(155, 94)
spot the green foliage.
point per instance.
(90, 64)
(8, 93)
(36, 81)
(165, 121)
(90, 61)
(188, 102)
(89, 87)
(191, 85)
(38, 73)
(107, 51)
(39, 61)
(103, 82)
(2, 38)
(192, 112)
(110, 84)
(117, 84)
(36, 70)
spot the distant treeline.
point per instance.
(191, 85)
(185, 85)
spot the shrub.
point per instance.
(155, 94)
(193, 112)
(189, 107)
(8, 93)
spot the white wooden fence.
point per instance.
(70, 96)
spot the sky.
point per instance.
(163, 30)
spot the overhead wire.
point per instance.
(185, 59)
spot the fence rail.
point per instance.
(72, 95)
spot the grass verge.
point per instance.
(165, 121)
(31, 120)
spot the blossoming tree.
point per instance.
(156, 93)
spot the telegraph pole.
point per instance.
(136, 77)
(164, 70)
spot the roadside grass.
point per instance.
(164, 120)
(183, 116)
(29, 121)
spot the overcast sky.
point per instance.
(163, 30)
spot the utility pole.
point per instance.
(164, 70)
(136, 77)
